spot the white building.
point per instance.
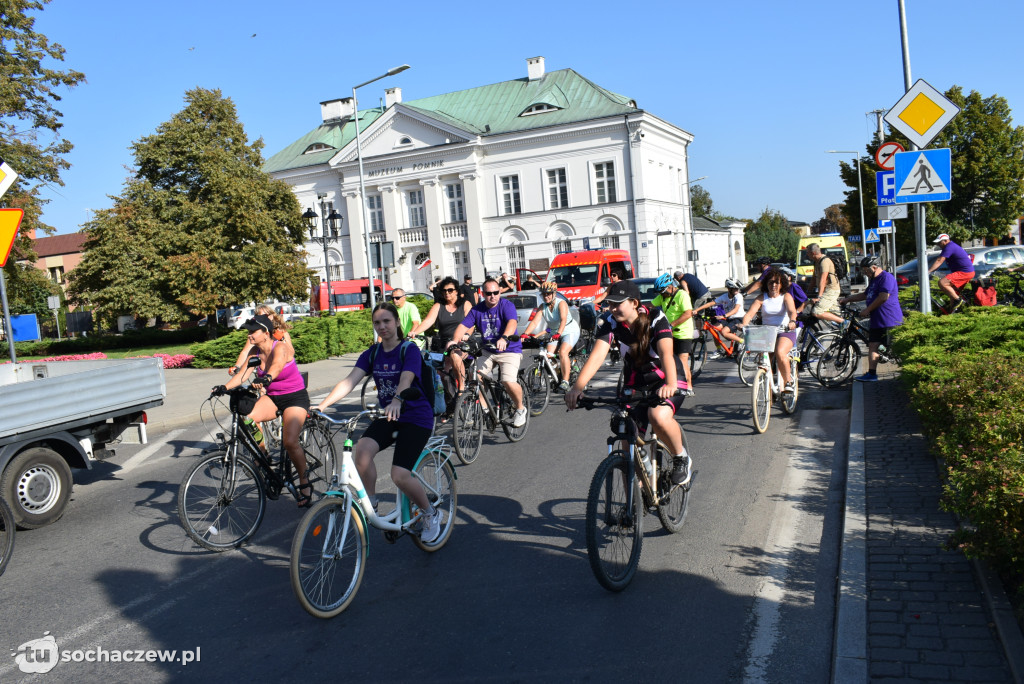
(503, 176)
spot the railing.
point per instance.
(378, 236)
(413, 236)
(453, 231)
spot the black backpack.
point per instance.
(840, 265)
(430, 380)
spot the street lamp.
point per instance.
(332, 226)
(362, 186)
(693, 231)
(860, 198)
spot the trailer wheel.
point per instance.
(37, 485)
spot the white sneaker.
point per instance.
(519, 418)
(714, 356)
(431, 527)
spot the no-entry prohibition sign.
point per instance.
(885, 155)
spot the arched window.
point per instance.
(608, 228)
(539, 108)
(317, 147)
(403, 141)
(560, 234)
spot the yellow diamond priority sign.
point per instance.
(921, 113)
(10, 219)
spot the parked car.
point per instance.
(528, 304)
(985, 260)
(647, 291)
(240, 316)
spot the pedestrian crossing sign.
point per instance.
(923, 176)
(872, 235)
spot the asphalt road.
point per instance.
(745, 592)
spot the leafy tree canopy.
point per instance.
(833, 222)
(988, 174)
(198, 227)
(770, 235)
(30, 139)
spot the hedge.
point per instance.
(130, 339)
(965, 374)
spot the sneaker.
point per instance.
(788, 389)
(681, 469)
(867, 377)
(714, 356)
(431, 527)
(956, 307)
(563, 386)
(843, 326)
(519, 418)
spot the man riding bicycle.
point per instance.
(961, 270)
(496, 320)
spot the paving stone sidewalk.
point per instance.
(927, 618)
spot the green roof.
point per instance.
(486, 110)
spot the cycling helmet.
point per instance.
(869, 260)
(732, 284)
(788, 271)
(663, 281)
(764, 260)
(548, 286)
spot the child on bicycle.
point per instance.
(560, 325)
(777, 309)
(728, 314)
(407, 423)
(648, 335)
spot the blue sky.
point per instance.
(765, 88)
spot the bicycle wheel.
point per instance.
(747, 366)
(761, 398)
(673, 506)
(508, 411)
(6, 535)
(536, 382)
(321, 459)
(789, 400)
(367, 394)
(614, 528)
(698, 355)
(467, 426)
(838, 363)
(328, 557)
(271, 430)
(221, 502)
(438, 478)
(815, 348)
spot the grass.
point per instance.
(171, 349)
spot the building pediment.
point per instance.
(402, 130)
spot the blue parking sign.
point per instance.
(885, 187)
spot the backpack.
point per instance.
(840, 264)
(430, 380)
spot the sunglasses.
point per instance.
(449, 289)
(398, 297)
(491, 293)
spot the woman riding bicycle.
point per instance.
(448, 311)
(286, 393)
(777, 309)
(407, 423)
(648, 335)
(564, 330)
(280, 333)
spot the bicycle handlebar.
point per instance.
(629, 396)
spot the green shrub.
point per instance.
(130, 339)
(221, 352)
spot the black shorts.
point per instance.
(408, 439)
(681, 346)
(880, 335)
(283, 401)
(640, 415)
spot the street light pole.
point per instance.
(860, 197)
(693, 231)
(362, 186)
(332, 226)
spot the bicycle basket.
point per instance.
(760, 338)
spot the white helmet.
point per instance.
(731, 284)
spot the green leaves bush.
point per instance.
(965, 374)
(130, 339)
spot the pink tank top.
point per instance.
(287, 381)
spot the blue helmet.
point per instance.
(663, 281)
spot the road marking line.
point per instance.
(139, 458)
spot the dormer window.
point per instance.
(539, 108)
(317, 147)
(404, 141)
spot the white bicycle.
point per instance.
(330, 546)
(767, 385)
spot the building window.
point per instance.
(456, 209)
(562, 246)
(325, 210)
(604, 180)
(317, 147)
(516, 257)
(336, 273)
(57, 274)
(610, 242)
(417, 215)
(510, 195)
(376, 211)
(558, 190)
(539, 108)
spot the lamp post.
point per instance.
(860, 198)
(332, 226)
(362, 186)
(693, 231)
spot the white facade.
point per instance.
(478, 204)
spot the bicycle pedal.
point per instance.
(390, 536)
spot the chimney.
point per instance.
(336, 110)
(392, 96)
(535, 68)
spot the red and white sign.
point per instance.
(423, 265)
(885, 155)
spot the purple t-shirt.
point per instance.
(957, 258)
(889, 314)
(491, 322)
(386, 373)
(798, 294)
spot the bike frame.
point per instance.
(727, 345)
(279, 477)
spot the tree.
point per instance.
(771, 236)
(987, 168)
(30, 139)
(833, 222)
(700, 200)
(199, 226)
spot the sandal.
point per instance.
(305, 500)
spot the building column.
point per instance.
(391, 204)
(356, 237)
(471, 189)
(433, 207)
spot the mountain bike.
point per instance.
(812, 341)
(484, 403)
(7, 528)
(841, 359)
(331, 544)
(222, 499)
(1015, 298)
(544, 375)
(627, 484)
(767, 385)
